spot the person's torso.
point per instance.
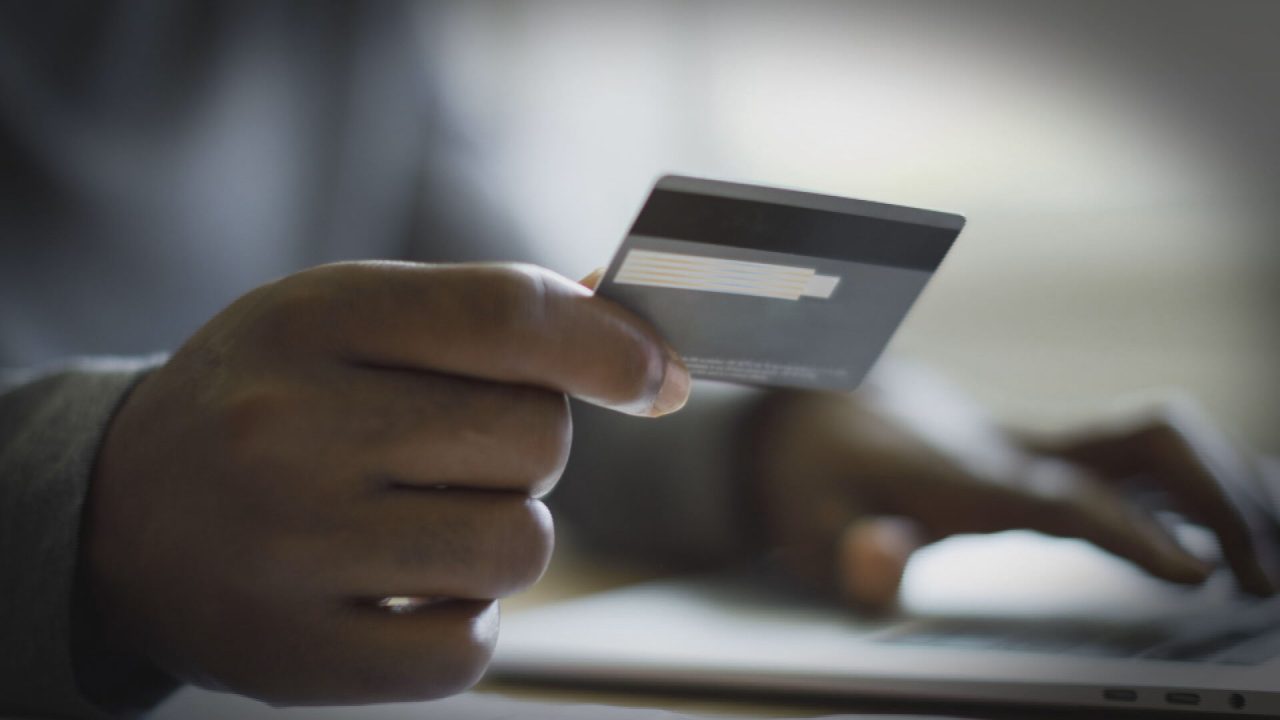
(160, 158)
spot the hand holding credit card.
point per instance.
(775, 287)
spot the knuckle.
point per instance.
(500, 547)
(526, 433)
(550, 428)
(439, 673)
(515, 299)
(1157, 431)
(300, 297)
(1064, 500)
(341, 669)
(428, 547)
(447, 680)
(443, 671)
(295, 312)
(1166, 426)
(521, 548)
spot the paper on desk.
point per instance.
(191, 704)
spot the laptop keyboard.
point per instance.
(1248, 636)
(1242, 636)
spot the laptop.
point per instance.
(1009, 619)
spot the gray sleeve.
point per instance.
(50, 429)
(663, 491)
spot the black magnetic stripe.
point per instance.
(758, 225)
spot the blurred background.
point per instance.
(1118, 163)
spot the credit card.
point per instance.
(765, 286)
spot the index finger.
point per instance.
(508, 323)
(1052, 497)
(1202, 473)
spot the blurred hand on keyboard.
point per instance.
(848, 487)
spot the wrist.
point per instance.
(111, 672)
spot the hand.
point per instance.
(350, 433)
(849, 487)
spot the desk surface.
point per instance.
(572, 576)
(569, 576)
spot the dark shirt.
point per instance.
(160, 158)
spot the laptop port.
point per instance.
(1120, 694)
(1182, 698)
(1236, 701)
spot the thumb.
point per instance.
(871, 558)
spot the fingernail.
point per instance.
(873, 556)
(1191, 569)
(593, 278)
(674, 392)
